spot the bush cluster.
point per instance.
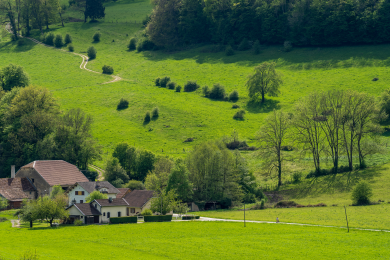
(189, 217)
(123, 104)
(145, 45)
(178, 88)
(70, 47)
(96, 37)
(161, 218)
(233, 96)
(91, 53)
(147, 212)
(68, 39)
(191, 86)
(58, 42)
(239, 114)
(324, 172)
(171, 85)
(108, 69)
(132, 44)
(164, 81)
(49, 39)
(155, 112)
(362, 193)
(120, 220)
(147, 117)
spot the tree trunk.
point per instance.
(31, 224)
(62, 21)
(262, 97)
(279, 170)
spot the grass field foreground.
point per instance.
(194, 240)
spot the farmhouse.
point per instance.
(78, 192)
(15, 190)
(46, 174)
(101, 210)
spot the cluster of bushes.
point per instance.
(155, 114)
(108, 69)
(293, 204)
(310, 206)
(91, 53)
(239, 115)
(166, 82)
(189, 217)
(324, 172)
(143, 44)
(121, 220)
(258, 206)
(161, 218)
(123, 104)
(56, 40)
(218, 92)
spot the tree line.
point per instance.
(32, 127)
(302, 22)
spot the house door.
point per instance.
(96, 220)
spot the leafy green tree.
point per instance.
(127, 156)
(265, 81)
(13, 76)
(164, 202)
(193, 24)
(29, 211)
(3, 203)
(95, 195)
(158, 178)
(51, 209)
(94, 9)
(56, 191)
(135, 185)
(114, 173)
(180, 182)
(145, 164)
(362, 193)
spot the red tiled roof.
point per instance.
(122, 192)
(57, 172)
(138, 198)
(13, 189)
(114, 202)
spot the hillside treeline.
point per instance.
(303, 22)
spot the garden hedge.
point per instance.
(123, 220)
(158, 218)
(189, 217)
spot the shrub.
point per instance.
(189, 217)
(259, 205)
(206, 91)
(123, 103)
(239, 114)
(147, 117)
(191, 86)
(285, 204)
(233, 96)
(145, 45)
(135, 185)
(256, 47)
(108, 69)
(287, 46)
(58, 42)
(249, 198)
(155, 112)
(132, 44)
(244, 45)
(171, 85)
(120, 220)
(362, 193)
(164, 81)
(91, 53)
(96, 37)
(68, 39)
(70, 48)
(147, 212)
(78, 222)
(229, 51)
(178, 88)
(157, 82)
(217, 92)
(160, 218)
(235, 106)
(49, 39)
(262, 204)
(297, 176)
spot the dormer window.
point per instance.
(103, 190)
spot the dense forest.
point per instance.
(302, 22)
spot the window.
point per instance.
(95, 206)
(119, 214)
(132, 210)
(81, 201)
(104, 214)
(32, 180)
(79, 192)
(81, 217)
(108, 214)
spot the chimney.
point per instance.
(12, 171)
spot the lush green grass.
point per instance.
(194, 240)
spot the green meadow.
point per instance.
(193, 240)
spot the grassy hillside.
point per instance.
(206, 240)
(183, 115)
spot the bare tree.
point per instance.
(273, 136)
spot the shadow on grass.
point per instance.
(255, 106)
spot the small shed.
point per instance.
(85, 212)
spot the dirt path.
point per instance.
(100, 171)
(84, 57)
(15, 223)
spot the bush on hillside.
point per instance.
(58, 42)
(256, 47)
(68, 38)
(157, 82)
(147, 117)
(164, 81)
(362, 193)
(235, 106)
(108, 69)
(239, 115)
(285, 204)
(91, 53)
(206, 91)
(178, 88)
(123, 104)
(96, 37)
(171, 85)
(191, 86)
(49, 39)
(145, 45)
(217, 92)
(70, 48)
(233, 96)
(155, 112)
(229, 51)
(244, 45)
(132, 44)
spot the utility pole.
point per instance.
(244, 215)
(346, 217)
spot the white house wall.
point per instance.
(113, 212)
(72, 195)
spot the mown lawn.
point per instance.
(193, 240)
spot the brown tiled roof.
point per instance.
(86, 209)
(13, 188)
(138, 198)
(114, 202)
(122, 192)
(57, 172)
(92, 185)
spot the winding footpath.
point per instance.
(84, 57)
(99, 170)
